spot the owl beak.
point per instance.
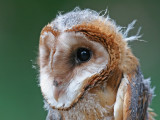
(58, 91)
(56, 94)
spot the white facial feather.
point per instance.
(64, 43)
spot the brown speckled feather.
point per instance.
(140, 95)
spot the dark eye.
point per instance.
(83, 54)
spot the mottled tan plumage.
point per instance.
(108, 86)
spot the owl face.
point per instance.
(67, 63)
(77, 50)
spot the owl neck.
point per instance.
(98, 102)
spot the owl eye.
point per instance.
(83, 55)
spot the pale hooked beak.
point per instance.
(56, 93)
(58, 90)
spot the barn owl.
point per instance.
(88, 71)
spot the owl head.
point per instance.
(80, 50)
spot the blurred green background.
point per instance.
(20, 24)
